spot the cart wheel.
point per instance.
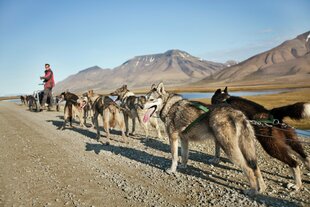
(37, 106)
(32, 105)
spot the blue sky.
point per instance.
(73, 35)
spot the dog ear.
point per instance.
(225, 90)
(218, 91)
(161, 88)
(153, 86)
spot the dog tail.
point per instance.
(299, 110)
(247, 144)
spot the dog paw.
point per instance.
(292, 186)
(262, 187)
(307, 163)
(105, 143)
(214, 160)
(170, 171)
(250, 192)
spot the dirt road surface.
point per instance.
(43, 166)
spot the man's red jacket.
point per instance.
(49, 79)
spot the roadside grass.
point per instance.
(9, 98)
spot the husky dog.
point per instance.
(88, 112)
(110, 112)
(278, 142)
(73, 107)
(228, 127)
(133, 108)
(57, 100)
(31, 103)
(23, 100)
(27, 98)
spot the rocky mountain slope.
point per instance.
(174, 67)
(288, 61)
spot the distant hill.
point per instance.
(83, 80)
(174, 67)
(289, 61)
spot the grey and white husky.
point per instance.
(132, 106)
(228, 127)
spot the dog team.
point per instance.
(228, 121)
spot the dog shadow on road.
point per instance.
(82, 131)
(193, 154)
(130, 153)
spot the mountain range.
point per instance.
(174, 67)
(289, 62)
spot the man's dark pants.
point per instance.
(47, 93)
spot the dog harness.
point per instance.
(271, 120)
(202, 116)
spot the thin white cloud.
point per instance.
(245, 51)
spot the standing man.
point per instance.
(49, 83)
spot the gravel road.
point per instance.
(43, 166)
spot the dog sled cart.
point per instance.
(35, 101)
